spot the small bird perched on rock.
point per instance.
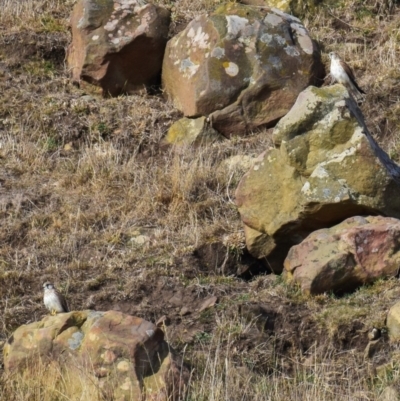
(342, 73)
(53, 300)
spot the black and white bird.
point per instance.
(53, 300)
(342, 73)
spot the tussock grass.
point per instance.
(50, 381)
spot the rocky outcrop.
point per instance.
(118, 44)
(357, 251)
(322, 172)
(243, 66)
(116, 356)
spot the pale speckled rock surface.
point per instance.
(244, 66)
(117, 44)
(357, 251)
(124, 356)
(323, 172)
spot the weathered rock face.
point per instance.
(242, 65)
(357, 251)
(118, 44)
(115, 355)
(323, 172)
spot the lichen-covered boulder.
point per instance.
(357, 251)
(114, 355)
(242, 66)
(192, 131)
(283, 5)
(322, 172)
(295, 7)
(118, 44)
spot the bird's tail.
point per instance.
(358, 88)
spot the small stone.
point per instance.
(163, 321)
(374, 334)
(184, 311)
(196, 131)
(208, 303)
(372, 348)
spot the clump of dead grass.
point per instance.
(34, 15)
(50, 380)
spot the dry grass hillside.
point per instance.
(91, 201)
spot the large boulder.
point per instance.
(241, 66)
(357, 251)
(322, 172)
(118, 44)
(105, 354)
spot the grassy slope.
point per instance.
(81, 178)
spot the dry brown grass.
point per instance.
(219, 377)
(32, 15)
(81, 178)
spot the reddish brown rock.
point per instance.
(241, 66)
(357, 251)
(119, 356)
(118, 44)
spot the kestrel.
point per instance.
(342, 73)
(53, 300)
